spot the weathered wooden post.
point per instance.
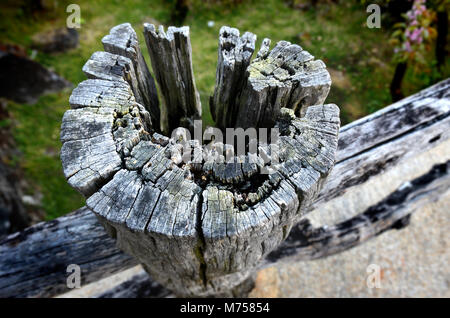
(199, 227)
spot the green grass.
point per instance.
(334, 33)
(36, 131)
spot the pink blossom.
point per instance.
(415, 35)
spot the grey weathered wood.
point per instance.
(285, 77)
(384, 156)
(122, 40)
(306, 242)
(111, 67)
(237, 235)
(198, 228)
(134, 206)
(34, 261)
(398, 118)
(24, 273)
(171, 57)
(234, 56)
(103, 125)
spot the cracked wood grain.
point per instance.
(171, 57)
(234, 56)
(122, 40)
(306, 242)
(200, 228)
(285, 77)
(34, 261)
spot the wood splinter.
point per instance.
(199, 228)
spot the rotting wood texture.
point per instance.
(122, 40)
(171, 56)
(34, 261)
(199, 226)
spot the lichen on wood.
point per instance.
(285, 77)
(122, 40)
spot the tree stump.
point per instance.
(199, 226)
